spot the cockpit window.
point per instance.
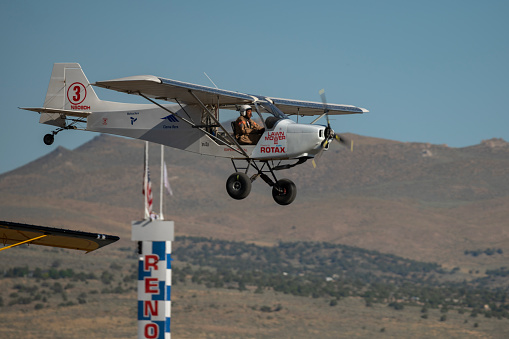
(267, 107)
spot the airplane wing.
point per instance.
(17, 234)
(300, 107)
(176, 91)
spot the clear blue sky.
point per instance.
(433, 71)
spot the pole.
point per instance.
(161, 216)
(145, 182)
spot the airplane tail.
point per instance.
(68, 90)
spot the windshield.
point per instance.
(267, 107)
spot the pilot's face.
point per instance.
(249, 113)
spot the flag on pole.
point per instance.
(166, 181)
(147, 191)
(147, 186)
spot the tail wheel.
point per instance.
(284, 192)
(238, 185)
(48, 139)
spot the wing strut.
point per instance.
(240, 150)
(218, 123)
(23, 242)
(319, 117)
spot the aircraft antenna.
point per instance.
(211, 80)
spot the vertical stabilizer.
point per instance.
(79, 94)
(68, 89)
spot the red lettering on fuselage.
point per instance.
(271, 149)
(232, 150)
(82, 107)
(276, 136)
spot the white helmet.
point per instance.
(244, 108)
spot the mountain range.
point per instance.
(420, 201)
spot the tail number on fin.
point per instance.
(76, 94)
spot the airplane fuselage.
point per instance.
(285, 140)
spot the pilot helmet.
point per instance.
(243, 109)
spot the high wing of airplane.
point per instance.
(15, 234)
(192, 123)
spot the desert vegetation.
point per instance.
(304, 269)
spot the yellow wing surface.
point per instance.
(14, 234)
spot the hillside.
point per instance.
(228, 289)
(419, 201)
(437, 216)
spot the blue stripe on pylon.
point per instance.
(159, 248)
(159, 296)
(141, 273)
(168, 261)
(167, 328)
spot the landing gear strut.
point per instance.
(50, 137)
(238, 184)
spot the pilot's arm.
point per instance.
(243, 127)
(256, 128)
(253, 129)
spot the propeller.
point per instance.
(329, 132)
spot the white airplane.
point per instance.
(192, 123)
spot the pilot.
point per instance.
(247, 131)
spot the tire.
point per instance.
(238, 185)
(48, 139)
(284, 192)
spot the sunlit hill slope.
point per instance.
(420, 201)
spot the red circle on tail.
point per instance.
(76, 93)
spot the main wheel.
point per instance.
(284, 192)
(238, 185)
(48, 139)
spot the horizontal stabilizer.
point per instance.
(16, 234)
(80, 114)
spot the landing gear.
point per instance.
(48, 139)
(238, 184)
(284, 192)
